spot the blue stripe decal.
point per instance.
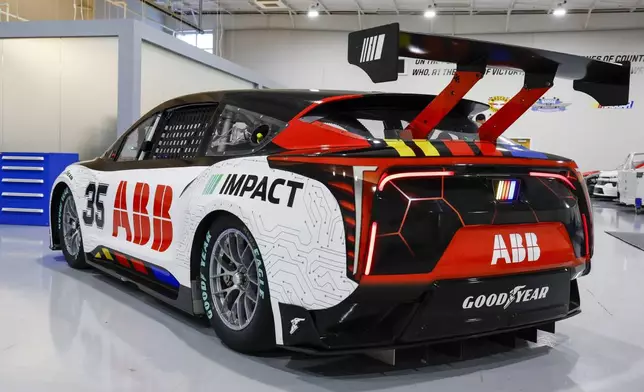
(522, 152)
(164, 276)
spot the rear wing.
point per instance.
(376, 51)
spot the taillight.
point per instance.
(398, 176)
(586, 237)
(372, 244)
(554, 175)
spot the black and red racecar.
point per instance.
(332, 222)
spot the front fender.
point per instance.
(73, 177)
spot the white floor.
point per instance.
(65, 330)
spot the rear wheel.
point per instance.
(234, 287)
(69, 231)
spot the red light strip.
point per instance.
(553, 175)
(586, 239)
(397, 176)
(372, 243)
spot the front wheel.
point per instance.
(234, 287)
(69, 231)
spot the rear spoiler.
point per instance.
(376, 51)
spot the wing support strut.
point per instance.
(535, 85)
(462, 82)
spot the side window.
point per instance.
(240, 131)
(135, 139)
(183, 131)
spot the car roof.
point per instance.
(280, 104)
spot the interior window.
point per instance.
(134, 140)
(241, 131)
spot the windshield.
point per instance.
(386, 116)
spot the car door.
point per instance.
(97, 189)
(628, 180)
(140, 186)
(622, 174)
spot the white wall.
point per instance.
(166, 75)
(595, 138)
(58, 95)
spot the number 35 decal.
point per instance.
(95, 211)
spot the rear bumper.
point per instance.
(405, 316)
(544, 324)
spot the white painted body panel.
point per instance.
(303, 246)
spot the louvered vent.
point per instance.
(183, 132)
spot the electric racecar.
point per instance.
(328, 222)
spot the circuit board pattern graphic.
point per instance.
(303, 247)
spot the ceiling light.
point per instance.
(560, 11)
(430, 13)
(313, 11)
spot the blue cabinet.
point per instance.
(25, 185)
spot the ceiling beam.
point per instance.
(172, 15)
(554, 4)
(590, 11)
(220, 8)
(507, 17)
(291, 11)
(289, 8)
(360, 10)
(326, 10)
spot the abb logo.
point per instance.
(519, 251)
(161, 225)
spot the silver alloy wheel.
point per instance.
(233, 279)
(71, 227)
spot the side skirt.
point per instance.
(183, 301)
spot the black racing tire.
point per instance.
(78, 261)
(258, 335)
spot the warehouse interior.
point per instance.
(77, 77)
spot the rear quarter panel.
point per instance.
(302, 244)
